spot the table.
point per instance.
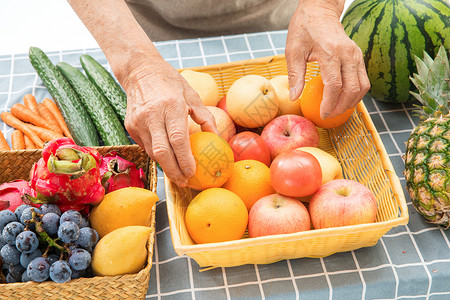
(409, 262)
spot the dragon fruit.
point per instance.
(117, 173)
(12, 193)
(67, 175)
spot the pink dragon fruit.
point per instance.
(67, 175)
(117, 173)
(12, 194)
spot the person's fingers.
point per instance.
(296, 67)
(199, 113)
(332, 81)
(364, 83)
(350, 89)
(177, 131)
(162, 150)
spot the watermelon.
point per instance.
(390, 33)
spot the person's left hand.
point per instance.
(316, 34)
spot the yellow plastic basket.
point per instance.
(16, 165)
(363, 158)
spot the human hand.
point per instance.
(159, 101)
(316, 34)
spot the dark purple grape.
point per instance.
(10, 279)
(88, 238)
(20, 209)
(10, 254)
(50, 208)
(60, 271)
(6, 216)
(16, 271)
(84, 222)
(52, 258)
(78, 274)
(68, 232)
(50, 223)
(38, 269)
(27, 241)
(71, 216)
(26, 258)
(79, 259)
(11, 231)
(27, 214)
(25, 277)
(2, 242)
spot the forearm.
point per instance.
(115, 29)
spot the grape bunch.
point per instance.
(39, 244)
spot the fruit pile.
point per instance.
(41, 243)
(79, 213)
(265, 174)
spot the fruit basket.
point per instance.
(363, 158)
(17, 165)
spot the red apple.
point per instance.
(342, 202)
(277, 214)
(222, 104)
(289, 132)
(224, 123)
(249, 145)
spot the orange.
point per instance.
(250, 181)
(214, 160)
(216, 215)
(310, 101)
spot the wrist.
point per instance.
(332, 8)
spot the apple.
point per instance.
(331, 168)
(222, 104)
(224, 123)
(277, 214)
(289, 132)
(342, 202)
(252, 101)
(287, 107)
(204, 84)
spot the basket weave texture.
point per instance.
(363, 158)
(16, 165)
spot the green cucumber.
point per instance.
(104, 81)
(77, 119)
(102, 114)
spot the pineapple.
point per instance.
(427, 160)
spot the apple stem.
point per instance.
(343, 192)
(247, 167)
(218, 174)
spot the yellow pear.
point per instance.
(331, 168)
(122, 251)
(123, 207)
(287, 107)
(204, 84)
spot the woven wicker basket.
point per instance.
(17, 165)
(363, 157)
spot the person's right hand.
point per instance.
(159, 101)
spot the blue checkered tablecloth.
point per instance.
(409, 262)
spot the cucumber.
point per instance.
(77, 119)
(104, 81)
(102, 114)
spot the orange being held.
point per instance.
(216, 215)
(250, 180)
(310, 101)
(213, 158)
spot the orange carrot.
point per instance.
(48, 116)
(17, 140)
(45, 134)
(31, 103)
(28, 143)
(12, 121)
(25, 114)
(58, 116)
(3, 143)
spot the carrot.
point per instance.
(48, 116)
(12, 121)
(31, 103)
(17, 140)
(58, 116)
(25, 114)
(28, 143)
(3, 143)
(45, 134)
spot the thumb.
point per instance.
(296, 73)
